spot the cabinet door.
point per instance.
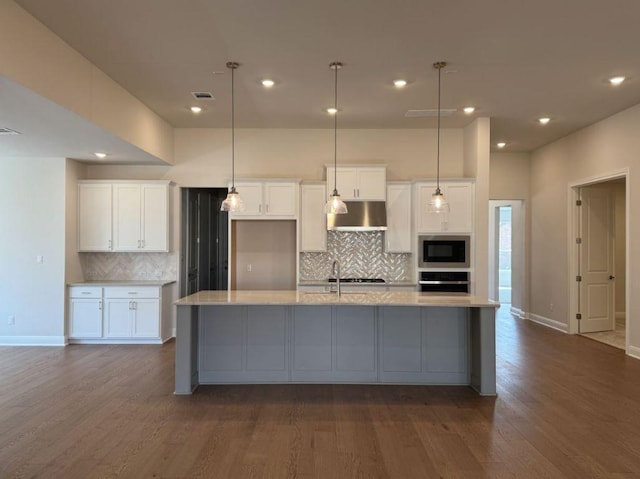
(85, 318)
(94, 217)
(372, 183)
(280, 199)
(401, 337)
(346, 181)
(267, 338)
(460, 198)
(117, 318)
(155, 218)
(126, 217)
(355, 345)
(146, 318)
(313, 220)
(251, 194)
(398, 234)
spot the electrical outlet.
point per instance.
(550, 306)
(39, 259)
(11, 320)
(249, 267)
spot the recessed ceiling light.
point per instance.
(502, 144)
(616, 80)
(195, 109)
(400, 83)
(468, 110)
(544, 120)
(268, 83)
(332, 111)
(100, 155)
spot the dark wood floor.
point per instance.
(567, 407)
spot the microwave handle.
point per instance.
(443, 282)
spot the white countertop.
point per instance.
(370, 298)
(122, 282)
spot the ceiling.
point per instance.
(515, 61)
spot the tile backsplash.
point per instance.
(361, 255)
(129, 266)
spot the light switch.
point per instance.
(39, 259)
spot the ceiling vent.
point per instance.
(9, 131)
(433, 113)
(202, 95)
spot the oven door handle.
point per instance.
(443, 282)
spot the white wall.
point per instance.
(32, 223)
(619, 192)
(607, 147)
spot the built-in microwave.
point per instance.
(438, 251)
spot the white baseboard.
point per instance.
(518, 313)
(634, 352)
(33, 341)
(551, 323)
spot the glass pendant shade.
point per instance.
(233, 202)
(335, 205)
(438, 203)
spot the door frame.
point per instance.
(572, 247)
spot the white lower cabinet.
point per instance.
(85, 312)
(118, 314)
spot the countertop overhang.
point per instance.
(369, 298)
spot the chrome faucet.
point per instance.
(336, 272)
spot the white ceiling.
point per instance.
(514, 60)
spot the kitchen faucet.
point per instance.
(336, 272)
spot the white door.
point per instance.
(94, 217)
(146, 318)
(398, 237)
(85, 318)
(126, 217)
(155, 218)
(280, 199)
(313, 221)
(251, 194)
(117, 318)
(596, 260)
(372, 184)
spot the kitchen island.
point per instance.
(225, 337)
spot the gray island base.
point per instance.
(242, 337)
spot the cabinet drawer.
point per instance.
(85, 292)
(132, 292)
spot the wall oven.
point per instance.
(444, 282)
(443, 251)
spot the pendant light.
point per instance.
(233, 202)
(335, 205)
(438, 203)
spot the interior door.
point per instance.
(597, 291)
(192, 240)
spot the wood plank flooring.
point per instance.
(566, 407)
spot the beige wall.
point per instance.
(263, 255)
(32, 223)
(619, 194)
(509, 176)
(36, 58)
(603, 149)
(74, 171)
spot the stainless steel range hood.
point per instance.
(361, 216)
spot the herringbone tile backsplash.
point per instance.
(361, 255)
(129, 266)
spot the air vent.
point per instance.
(9, 131)
(202, 95)
(433, 113)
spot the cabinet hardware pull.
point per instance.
(110, 244)
(100, 305)
(86, 292)
(132, 292)
(267, 206)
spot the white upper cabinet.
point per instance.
(268, 198)
(459, 194)
(398, 237)
(123, 216)
(313, 220)
(94, 217)
(359, 182)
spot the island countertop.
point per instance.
(365, 298)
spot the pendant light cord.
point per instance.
(335, 130)
(233, 128)
(438, 139)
